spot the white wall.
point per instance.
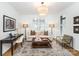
(6, 9)
(69, 13)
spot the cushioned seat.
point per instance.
(20, 40)
(66, 40)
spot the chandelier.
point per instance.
(42, 9)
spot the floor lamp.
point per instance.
(25, 26)
(51, 26)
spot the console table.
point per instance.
(9, 40)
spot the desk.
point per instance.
(9, 40)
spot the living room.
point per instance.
(61, 22)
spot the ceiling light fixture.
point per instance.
(42, 9)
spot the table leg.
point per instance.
(12, 48)
(0, 48)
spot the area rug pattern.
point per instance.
(56, 50)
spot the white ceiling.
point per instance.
(29, 7)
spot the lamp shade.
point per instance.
(25, 25)
(51, 25)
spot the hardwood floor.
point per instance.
(73, 51)
(8, 53)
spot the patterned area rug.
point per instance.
(56, 50)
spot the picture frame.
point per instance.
(9, 23)
(76, 29)
(76, 20)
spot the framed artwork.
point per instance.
(9, 24)
(76, 29)
(76, 20)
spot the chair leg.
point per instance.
(15, 45)
(62, 45)
(21, 45)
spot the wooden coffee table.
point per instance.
(41, 44)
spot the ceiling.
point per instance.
(29, 7)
